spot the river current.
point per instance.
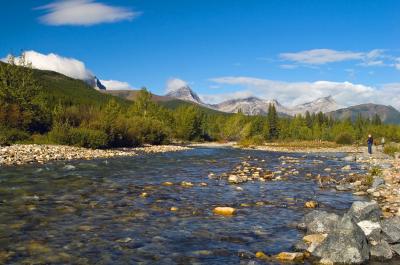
(119, 211)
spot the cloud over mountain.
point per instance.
(116, 85)
(174, 84)
(293, 93)
(53, 62)
(83, 13)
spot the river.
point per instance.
(117, 211)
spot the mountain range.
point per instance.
(258, 106)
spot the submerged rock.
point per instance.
(346, 244)
(227, 211)
(290, 256)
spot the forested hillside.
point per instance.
(47, 107)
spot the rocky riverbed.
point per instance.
(26, 154)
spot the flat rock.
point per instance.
(290, 256)
(395, 248)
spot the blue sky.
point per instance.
(294, 51)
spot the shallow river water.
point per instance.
(117, 211)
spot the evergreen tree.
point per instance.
(272, 118)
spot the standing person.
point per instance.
(370, 142)
(383, 142)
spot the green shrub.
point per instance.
(344, 138)
(253, 141)
(88, 138)
(60, 134)
(391, 149)
(375, 171)
(10, 135)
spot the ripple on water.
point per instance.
(127, 210)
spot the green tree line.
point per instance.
(27, 115)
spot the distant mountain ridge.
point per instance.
(257, 106)
(388, 114)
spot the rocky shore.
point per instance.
(356, 237)
(27, 154)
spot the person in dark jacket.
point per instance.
(370, 142)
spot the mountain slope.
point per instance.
(324, 105)
(58, 88)
(388, 114)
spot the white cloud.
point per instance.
(321, 56)
(67, 66)
(116, 85)
(174, 84)
(324, 56)
(83, 12)
(397, 64)
(292, 93)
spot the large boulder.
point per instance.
(319, 222)
(381, 251)
(361, 211)
(391, 229)
(345, 244)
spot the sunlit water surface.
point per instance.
(93, 212)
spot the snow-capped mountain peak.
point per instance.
(184, 93)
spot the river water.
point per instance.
(117, 211)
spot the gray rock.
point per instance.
(301, 246)
(381, 251)
(395, 248)
(320, 222)
(361, 211)
(377, 182)
(349, 158)
(372, 230)
(344, 187)
(391, 229)
(346, 244)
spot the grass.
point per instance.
(305, 144)
(391, 149)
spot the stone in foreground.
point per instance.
(361, 211)
(391, 229)
(381, 251)
(319, 222)
(226, 211)
(347, 244)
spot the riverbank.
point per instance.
(26, 154)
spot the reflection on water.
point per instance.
(118, 211)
